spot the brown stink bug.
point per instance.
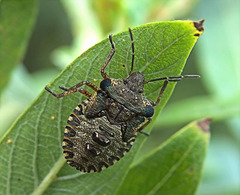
(103, 128)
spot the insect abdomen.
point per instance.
(90, 145)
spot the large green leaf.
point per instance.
(31, 154)
(173, 168)
(16, 20)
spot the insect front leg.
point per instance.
(166, 81)
(160, 94)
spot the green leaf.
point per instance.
(31, 153)
(174, 167)
(16, 21)
(190, 109)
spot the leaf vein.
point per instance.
(171, 171)
(35, 172)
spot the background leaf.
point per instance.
(174, 167)
(198, 108)
(31, 154)
(16, 21)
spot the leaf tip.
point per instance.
(204, 124)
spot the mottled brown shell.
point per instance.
(90, 145)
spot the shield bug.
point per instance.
(103, 128)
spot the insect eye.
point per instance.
(105, 84)
(149, 111)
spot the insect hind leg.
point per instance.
(74, 89)
(68, 92)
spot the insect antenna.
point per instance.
(133, 54)
(173, 78)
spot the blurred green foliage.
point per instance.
(64, 29)
(14, 34)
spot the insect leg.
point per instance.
(74, 89)
(143, 126)
(133, 54)
(166, 81)
(110, 55)
(161, 92)
(89, 84)
(69, 91)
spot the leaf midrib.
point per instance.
(50, 176)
